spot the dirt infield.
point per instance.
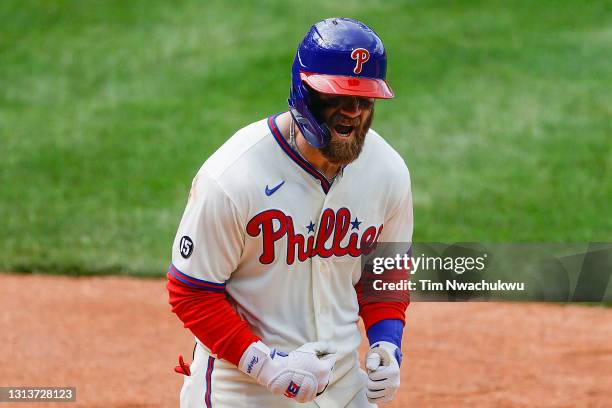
(115, 340)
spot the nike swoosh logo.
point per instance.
(270, 191)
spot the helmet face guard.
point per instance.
(338, 56)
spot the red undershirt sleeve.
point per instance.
(375, 306)
(211, 318)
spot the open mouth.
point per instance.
(343, 130)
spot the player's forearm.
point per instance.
(375, 306)
(211, 319)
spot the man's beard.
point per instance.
(339, 151)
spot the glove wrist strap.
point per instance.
(254, 358)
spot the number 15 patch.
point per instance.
(186, 247)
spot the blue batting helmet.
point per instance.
(340, 56)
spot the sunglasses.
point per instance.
(335, 101)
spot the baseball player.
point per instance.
(266, 263)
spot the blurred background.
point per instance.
(108, 108)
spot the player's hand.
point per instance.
(382, 361)
(301, 374)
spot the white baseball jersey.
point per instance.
(286, 244)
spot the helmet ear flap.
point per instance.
(315, 132)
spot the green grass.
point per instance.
(108, 108)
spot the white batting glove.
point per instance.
(302, 374)
(382, 362)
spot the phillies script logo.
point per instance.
(275, 224)
(253, 361)
(360, 55)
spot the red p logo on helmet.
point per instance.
(360, 55)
